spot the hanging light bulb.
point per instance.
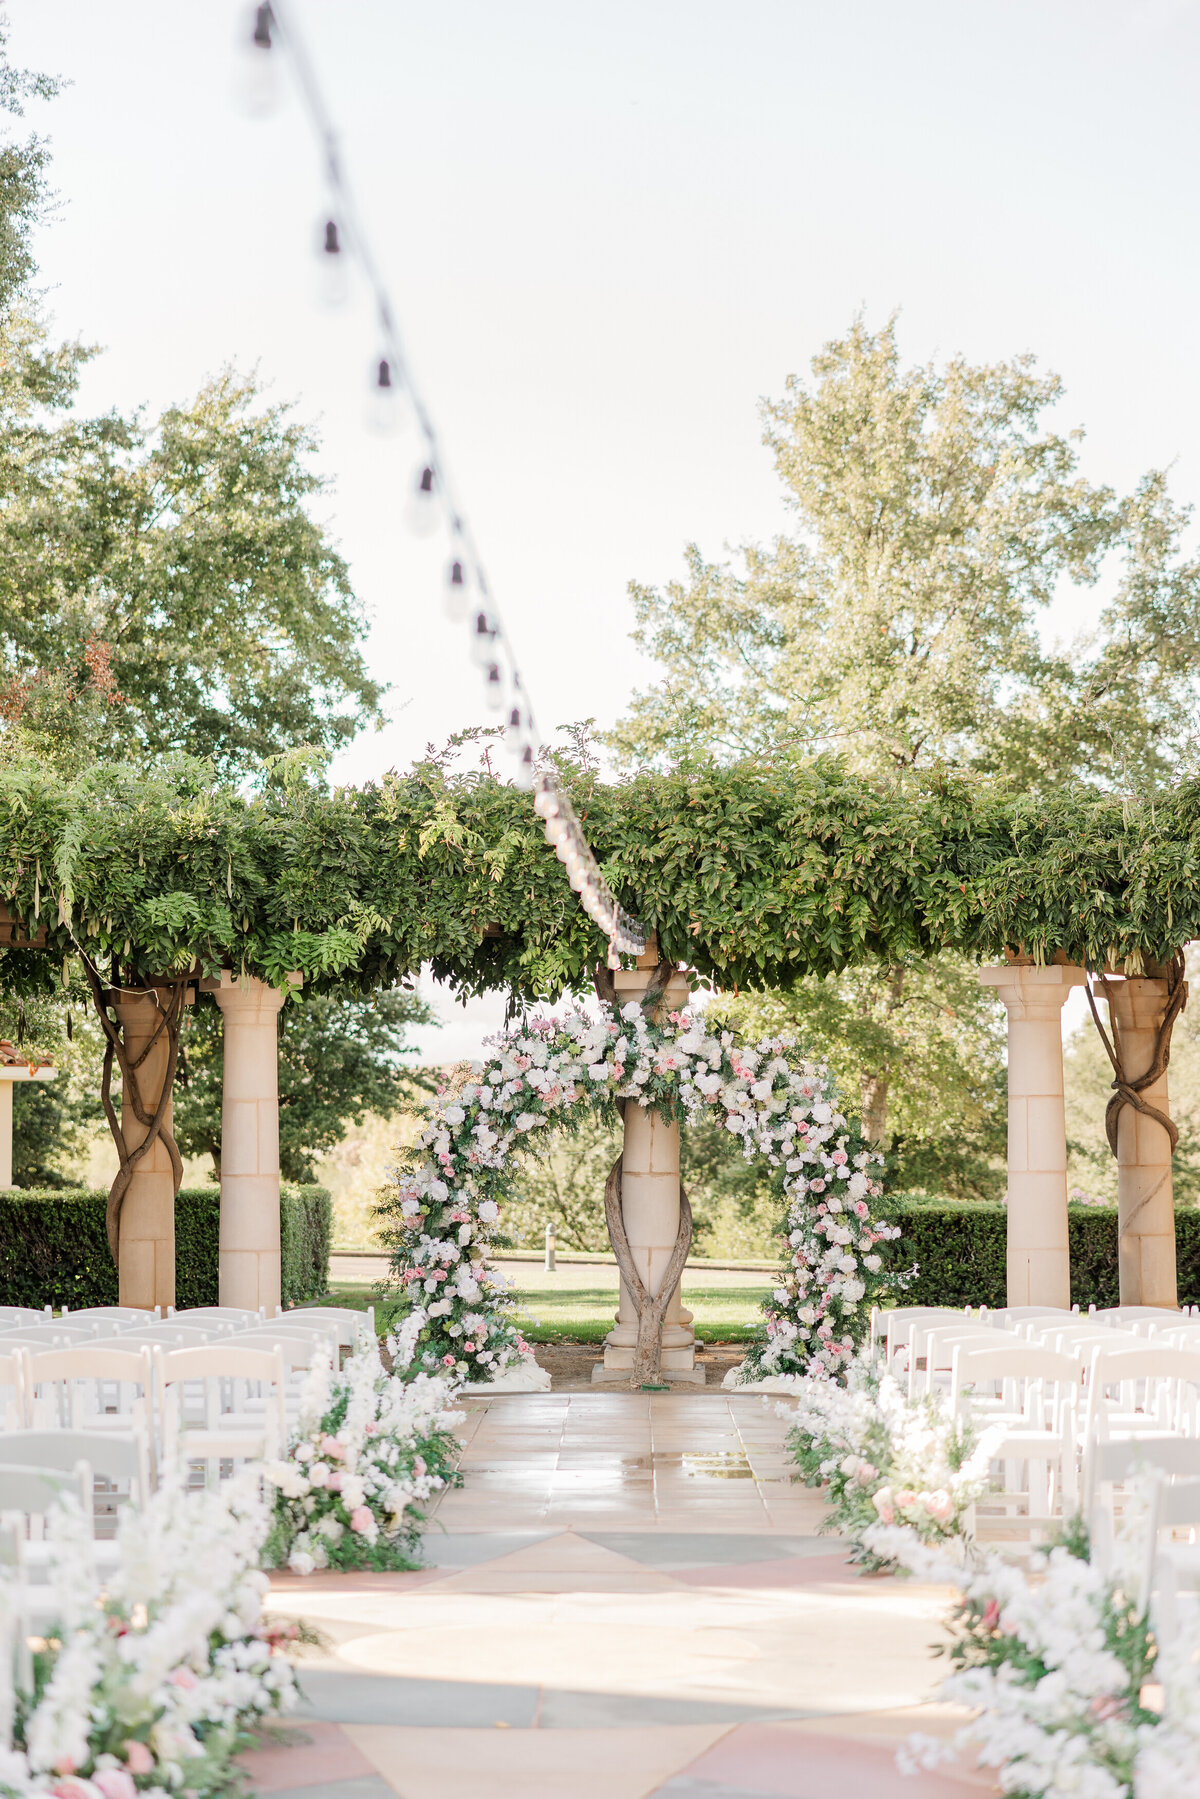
(455, 594)
(385, 398)
(421, 508)
(493, 687)
(483, 641)
(257, 87)
(525, 768)
(545, 803)
(557, 831)
(333, 277)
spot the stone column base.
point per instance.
(605, 1375)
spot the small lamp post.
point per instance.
(551, 1245)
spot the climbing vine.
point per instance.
(753, 874)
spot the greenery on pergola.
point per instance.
(751, 874)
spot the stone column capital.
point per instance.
(1031, 991)
(247, 995)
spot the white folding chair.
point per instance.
(348, 1320)
(107, 1386)
(119, 1459)
(1152, 1379)
(899, 1323)
(1034, 1425)
(221, 1426)
(231, 1315)
(1170, 1568)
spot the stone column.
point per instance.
(250, 1266)
(1039, 1262)
(146, 1249)
(1145, 1198)
(650, 1208)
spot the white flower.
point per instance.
(488, 1211)
(599, 1071)
(631, 1012)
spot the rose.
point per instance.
(883, 1505)
(906, 1498)
(939, 1505)
(299, 1563)
(360, 1521)
(448, 1361)
(115, 1783)
(318, 1474)
(138, 1758)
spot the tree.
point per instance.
(936, 516)
(339, 1058)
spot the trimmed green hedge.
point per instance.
(958, 1246)
(54, 1249)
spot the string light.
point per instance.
(432, 494)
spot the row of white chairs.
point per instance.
(1055, 1387)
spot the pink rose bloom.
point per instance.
(448, 1361)
(883, 1505)
(360, 1520)
(939, 1505)
(72, 1787)
(318, 1473)
(182, 1677)
(138, 1758)
(420, 1466)
(115, 1783)
(839, 1156)
(334, 1483)
(65, 1765)
(906, 1497)
(865, 1473)
(331, 1447)
(861, 1208)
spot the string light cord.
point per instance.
(469, 593)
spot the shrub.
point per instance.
(959, 1249)
(54, 1249)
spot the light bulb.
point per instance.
(562, 849)
(421, 510)
(257, 88)
(493, 687)
(524, 775)
(482, 649)
(545, 800)
(455, 593)
(577, 878)
(556, 831)
(385, 398)
(333, 276)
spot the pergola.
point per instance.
(157, 882)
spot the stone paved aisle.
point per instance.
(626, 1598)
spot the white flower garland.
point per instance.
(447, 1204)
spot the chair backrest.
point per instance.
(228, 1359)
(115, 1314)
(299, 1348)
(1149, 1361)
(233, 1315)
(1127, 1456)
(348, 1320)
(35, 1491)
(98, 1361)
(112, 1455)
(1121, 1314)
(172, 1336)
(1012, 1361)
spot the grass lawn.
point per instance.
(584, 1314)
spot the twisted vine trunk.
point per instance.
(151, 1115)
(651, 1307)
(1128, 1090)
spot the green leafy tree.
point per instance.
(340, 1057)
(936, 516)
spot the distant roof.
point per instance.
(11, 1057)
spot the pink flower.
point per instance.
(420, 1466)
(138, 1758)
(360, 1521)
(991, 1615)
(115, 1783)
(182, 1677)
(469, 1348)
(939, 1505)
(839, 1156)
(332, 1447)
(448, 1361)
(906, 1497)
(865, 1473)
(882, 1502)
(73, 1787)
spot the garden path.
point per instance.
(627, 1597)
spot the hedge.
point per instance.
(958, 1247)
(54, 1250)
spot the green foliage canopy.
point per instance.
(753, 874)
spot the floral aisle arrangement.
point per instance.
(887, 1459)
(1073, 1697)
(370, 1447)
(448, 1201)
(149, 1683)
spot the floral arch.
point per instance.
(448, 1201)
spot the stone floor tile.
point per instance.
(352, 1696)
(811, 1761)
(532, 1764)
(368, 1786)
(694, 1549)
(325, 1756)
(464, 1549)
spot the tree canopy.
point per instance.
(936, 516)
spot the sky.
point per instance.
(607, 232)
